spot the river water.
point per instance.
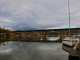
(32, 51)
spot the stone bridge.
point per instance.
(54, 35)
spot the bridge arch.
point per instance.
(52, 36)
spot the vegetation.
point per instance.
(3, 29)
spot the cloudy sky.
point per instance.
(38, 14)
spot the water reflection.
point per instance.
(52, 36)
(32, 51)
(66, 48)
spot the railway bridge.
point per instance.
(51, 35)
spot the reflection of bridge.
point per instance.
(36, 35)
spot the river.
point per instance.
(32, 51)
